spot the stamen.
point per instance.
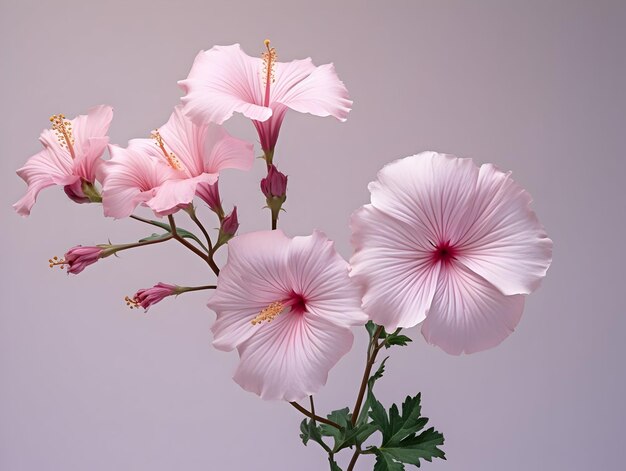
(63, 130)
(269, 313)
(54, 261)
(269, 60)
(172, 160)
(132, 303)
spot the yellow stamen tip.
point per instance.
(267, 43)
(269, 313)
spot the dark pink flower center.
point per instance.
(444, 253)
(296, 302)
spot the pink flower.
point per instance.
(451, 245)
(286, 305)
(147, 297)
(78, 258)
(224, 80)
(165, 172)
(229, 225)
(71, 156)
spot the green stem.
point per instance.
(312, 415)
(208, 259)
(194, 218)
(186, 289)
(372, 351)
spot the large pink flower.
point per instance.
(286, 305)
(449, 244)
(224, 80)
(71, 156)
(183, 159)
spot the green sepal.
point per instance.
(397, 339)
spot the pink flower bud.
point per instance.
(75, 193)
(210, 194)
(78, 258)
(147, 297)
(230, 223)
(275, 184)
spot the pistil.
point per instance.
(269, 59)
(269, 313)
(171, 159)
(63, 130)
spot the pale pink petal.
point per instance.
(173, 193)
(131, 177)
(393, 264)
(88, 164)
(286, 76)
(503, 240)
(289, 358)
(95, 124)
(226, 151)
(428, 191)
(42, 170)
(321, 93)
(468, 314)
(320, 276)
(252, 279)
(186, 140)
(224, 80)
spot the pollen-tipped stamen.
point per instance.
(132, 303)
(55, 261)
(269, 313)
(269, 60)
(63, 130)
(172, 160)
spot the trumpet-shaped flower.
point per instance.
(225, 80)
(71, 156)
(181, 160)
(451, 245)
(286, 305)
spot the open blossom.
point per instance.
(286, 305)
(147, 297)
(224, 80)
(71, 156)
(181, 160)
(451, 245)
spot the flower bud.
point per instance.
(210, 194)
(228, 228)
(147, 297)
(275, 184)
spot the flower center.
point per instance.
(63, 130)
(132, 303)
(269, 60)
(171, 159)
(444, 252)
(269, 313)
(294, 301)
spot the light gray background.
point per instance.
(536, 87)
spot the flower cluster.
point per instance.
(443, 243)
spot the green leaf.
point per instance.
(385, 462)
(181, 232)
(397, 339)
(310, 431)
(423, 446)
(400, 440)
(155, 237)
